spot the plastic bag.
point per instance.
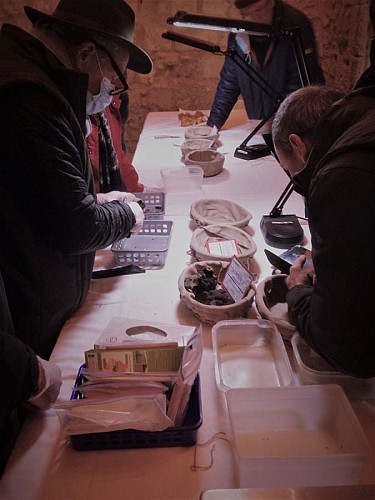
(85, 416)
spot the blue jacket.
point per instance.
(279, 70)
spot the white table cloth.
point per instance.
(43, 465)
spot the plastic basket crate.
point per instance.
(155, 204)
(148, 248)
(184, 435)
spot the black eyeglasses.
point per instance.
(117, 70)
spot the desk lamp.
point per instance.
(183, 19)
(278, 230)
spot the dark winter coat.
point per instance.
(337, 315)
(50, 223)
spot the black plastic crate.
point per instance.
(184, 435)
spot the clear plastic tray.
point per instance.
(313, 369)
(148, 248)
(296, 436)
(249, 354)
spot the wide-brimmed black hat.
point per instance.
(111, 19)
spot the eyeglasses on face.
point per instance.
(117, 70)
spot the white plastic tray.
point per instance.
(295, 436)
(249, 353)
(312, 369)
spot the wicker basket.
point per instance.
(196, 144)
(271, 303)
(201, 236)
(216, 211)
(213, 314)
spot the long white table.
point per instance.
(43, 464)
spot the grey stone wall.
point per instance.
(184, 77)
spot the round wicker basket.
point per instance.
(217, 211)
(203, 235)
(207, 313)
(200, 132)
(195, 144)
(271, 303)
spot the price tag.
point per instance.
(219, 246)
(237, 280)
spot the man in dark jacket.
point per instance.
(26, 379)
(328, 146)
(272, 58)
(68, 66)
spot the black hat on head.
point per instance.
(111, 19)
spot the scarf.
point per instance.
(109, 173)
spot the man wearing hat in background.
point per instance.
(272, 58)
(70, 65)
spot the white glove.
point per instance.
(115, 196)
(49, 384)
(139, 217)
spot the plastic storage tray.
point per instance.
(183, 435)
(312, 369)
(155, 204)
(296, 437)
(182, 178)
(148, 248)
(250, 354)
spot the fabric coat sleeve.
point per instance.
(227, 93)
(45, 169)
(18, 363)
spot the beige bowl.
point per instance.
(202, 235)
(213, 314)
(194, 144)
(211, 162)
(271, 303)
(200, 132)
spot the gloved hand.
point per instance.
(115, 196)
(49, 384)
(139, 217)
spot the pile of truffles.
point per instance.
(204, 287)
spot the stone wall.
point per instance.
(185, 77)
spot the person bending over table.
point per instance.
(26, 379)
(50, 221)
(327, 143)
(272, 58)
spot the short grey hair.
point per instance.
(300, 112)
